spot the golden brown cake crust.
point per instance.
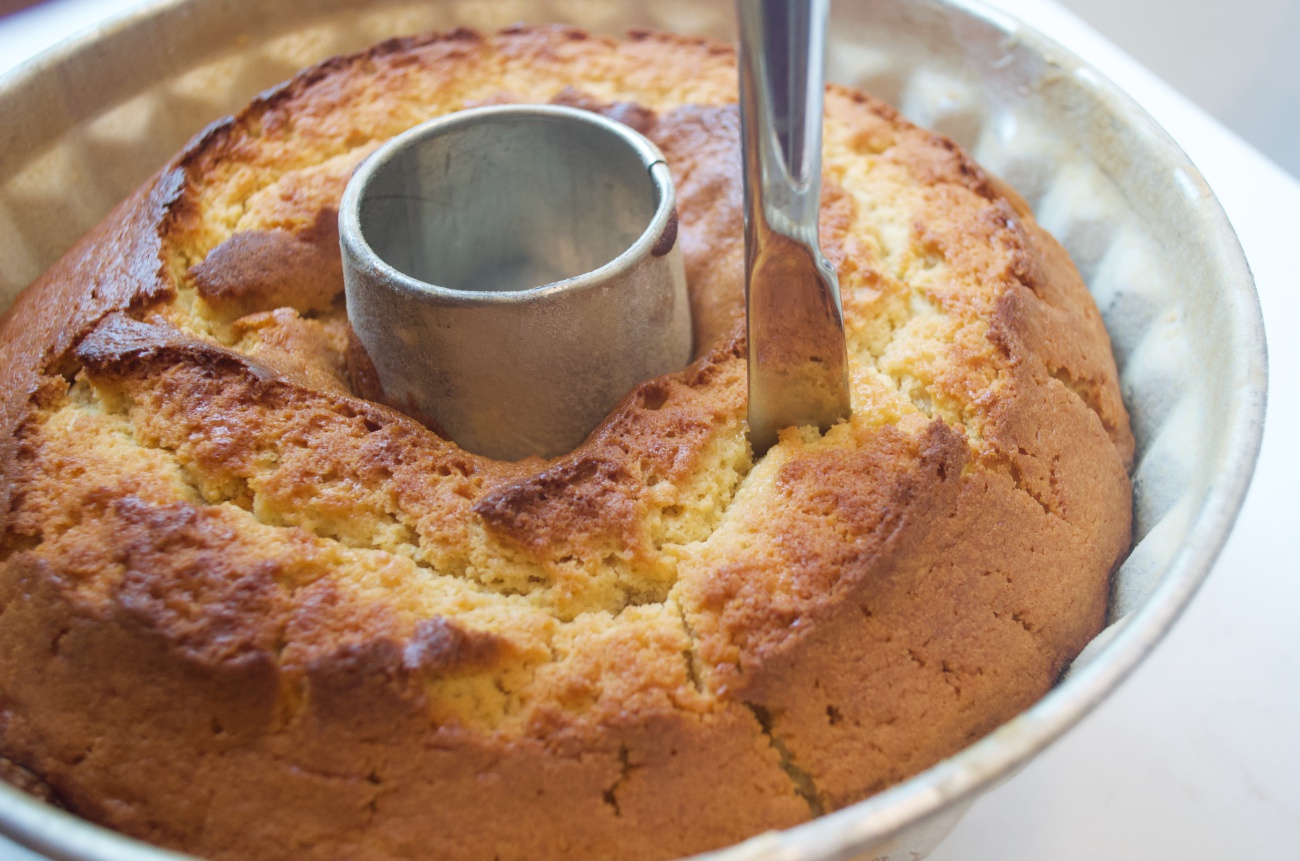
(250, 614)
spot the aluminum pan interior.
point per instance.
(90, 120)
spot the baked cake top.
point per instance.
(188, 450)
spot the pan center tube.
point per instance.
(512, 272)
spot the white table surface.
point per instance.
(1197, 756)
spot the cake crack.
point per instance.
(800, 780)
(625, 768)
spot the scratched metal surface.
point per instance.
(88, 122)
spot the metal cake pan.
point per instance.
(90, 120)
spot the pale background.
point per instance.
(1237, 59)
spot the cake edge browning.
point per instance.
(259, 681)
